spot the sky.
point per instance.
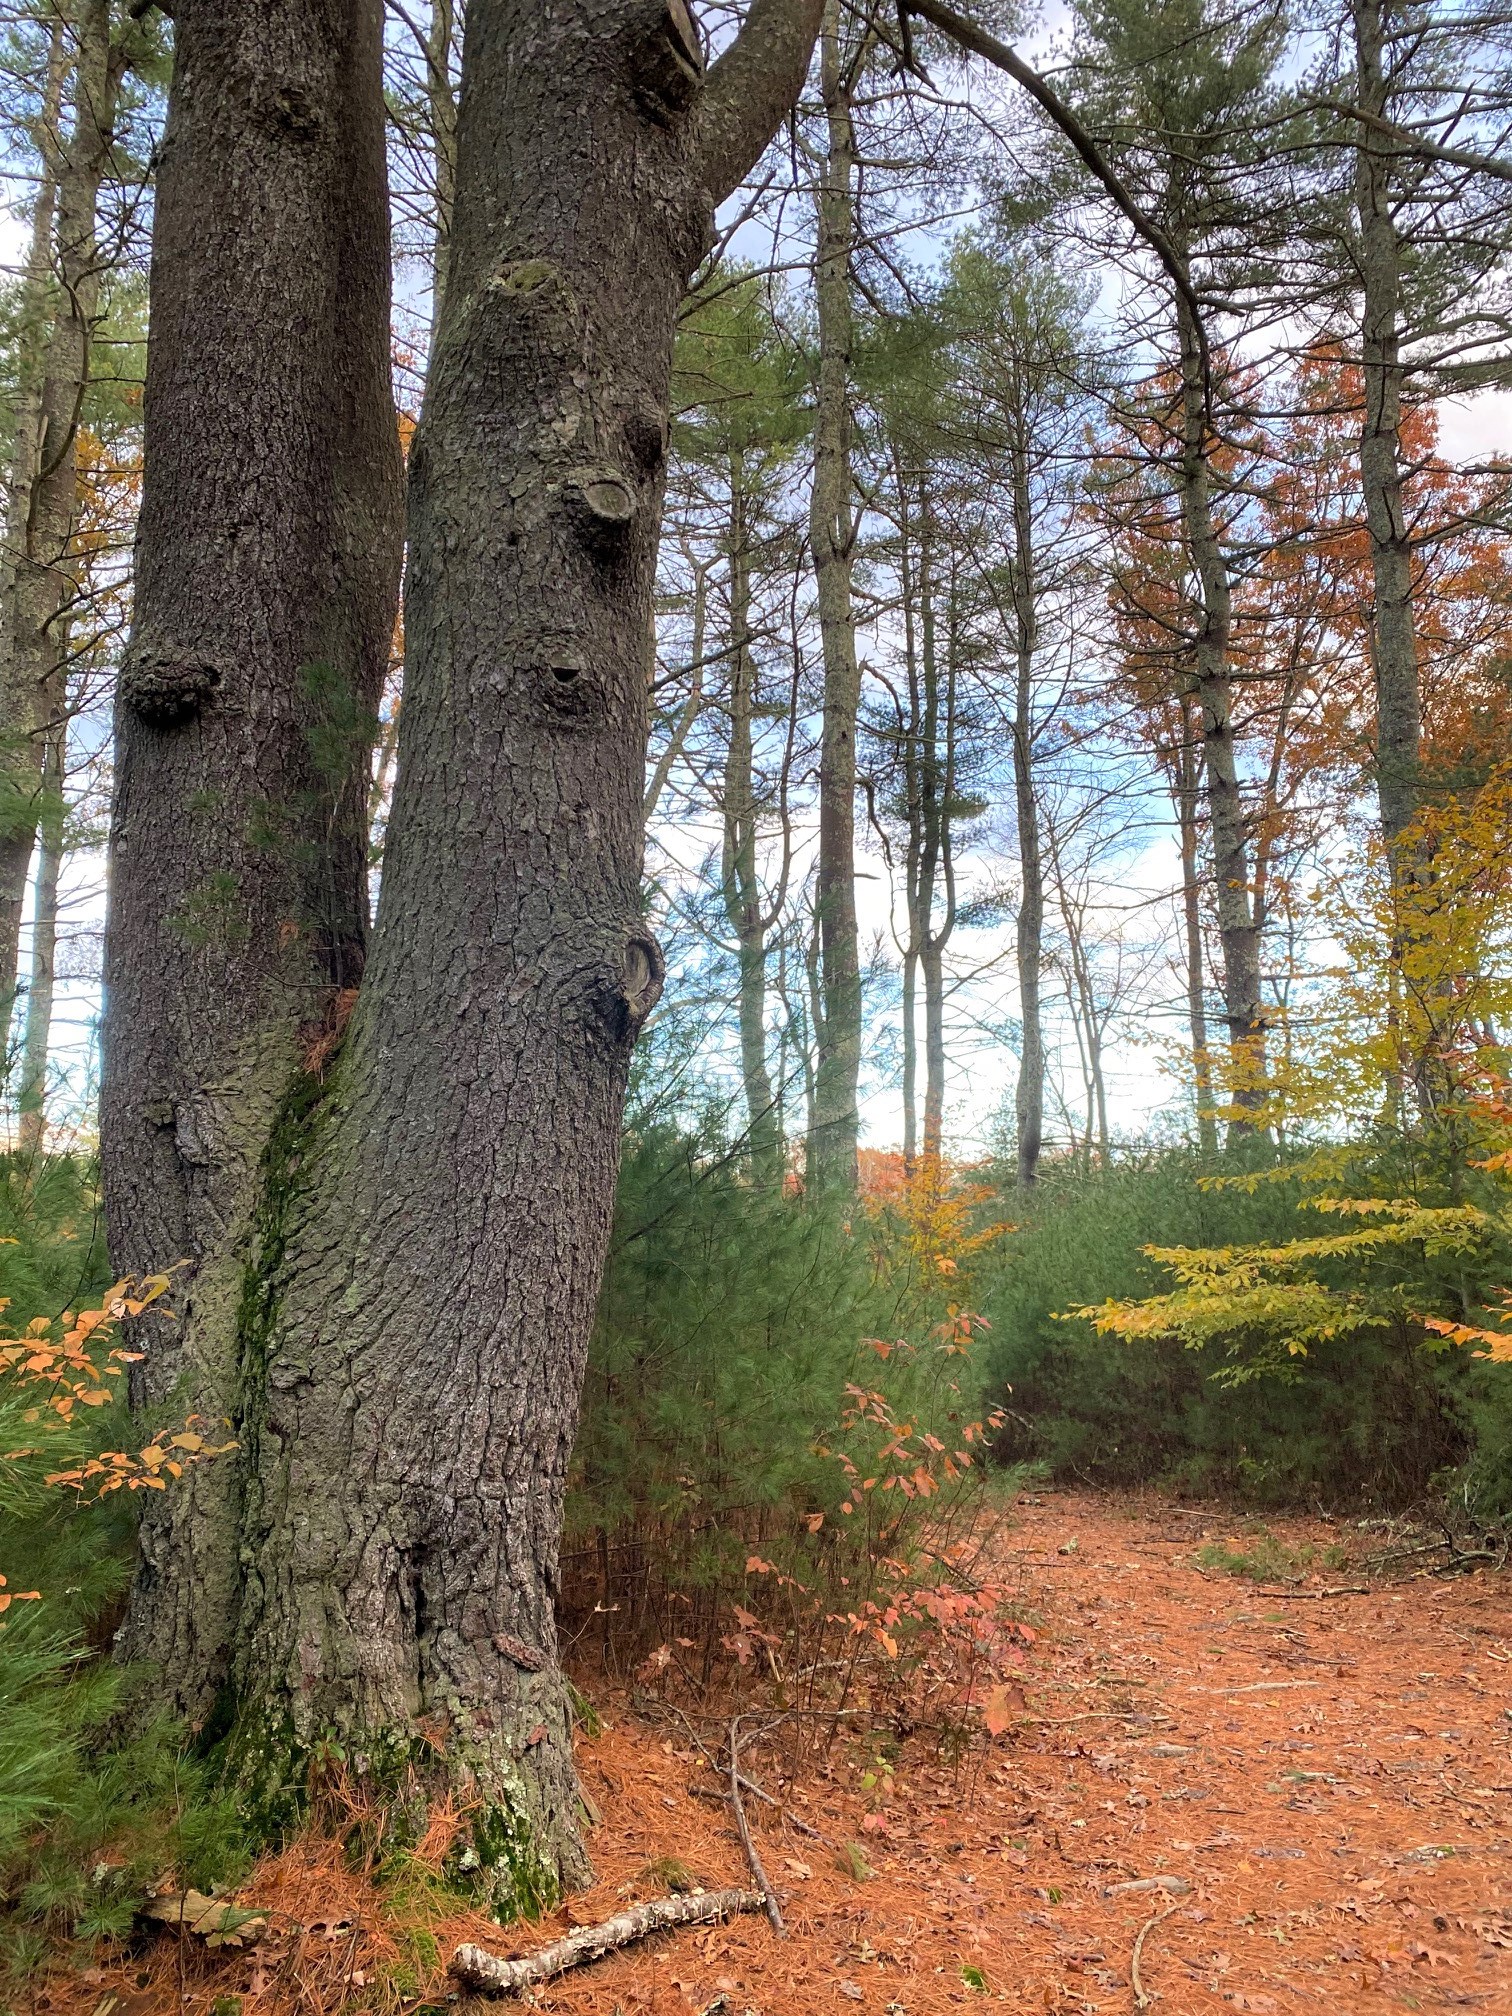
(983, 1069)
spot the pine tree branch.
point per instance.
(980, 43)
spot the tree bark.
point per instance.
(44, 494)
(266, 582)
(1398, 703)
(1029, 1095)
(1238, 930)
(740, 879)
(397, 1237)
(427, 1300)
(832, 532)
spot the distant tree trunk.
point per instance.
(267, 574)
(910, 755)
(740, 878)
(692, 707)
(1238, 932)
(1188, 788)
(1029, 1096)
(1398, 703)
(32, 1098)
(832, 1145)
(937, 778)
(44, 499)
(422, 1251)
(441, 103)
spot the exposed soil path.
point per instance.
(1313, 1796)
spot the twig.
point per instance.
(1141, 2000)
(792, 1819)
(488, 1974)
(768, 1895)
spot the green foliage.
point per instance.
(1367, 1415)
(778, 1400)
(1264, 1558)
(87, 1819)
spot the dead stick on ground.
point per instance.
(1141, 2000)
(773, 1910)
(486, 1973)
(1313, 1595)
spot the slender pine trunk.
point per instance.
(1238, 931)
(43, 506)
(740, 880)
(832, 532)
(1398, 702)
(1188, 789)
(32, 1096)
(1029, 1095)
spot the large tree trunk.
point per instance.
(44, 494)
(1398, 704)
(427, 1288)
(832, 533)
(740, 880)
(402, 1299)
(267, 571)
(1238, 931)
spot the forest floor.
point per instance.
(1279, 1802)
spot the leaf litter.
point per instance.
(1152, 1786)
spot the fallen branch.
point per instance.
(1141, 1999)
(759, 1876)
(1314, 1595)
(488, 1974)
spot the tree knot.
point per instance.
(166, 688)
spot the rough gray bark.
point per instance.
(740, 880)
(266, 578)
(1238, 926)
(832, 535)
(432, 1208)
(42, 507)
(1398, 703)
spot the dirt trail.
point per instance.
(1332, 1778)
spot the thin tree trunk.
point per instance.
(740, 879)
(1238, 932)
(910, 579)
(1029, 1096)
(441, 104)
(1398, 704)
(44, 501)
(266, 583)
(32, 1099)
(1188, 786)
(682, 728)
(832, 1145)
